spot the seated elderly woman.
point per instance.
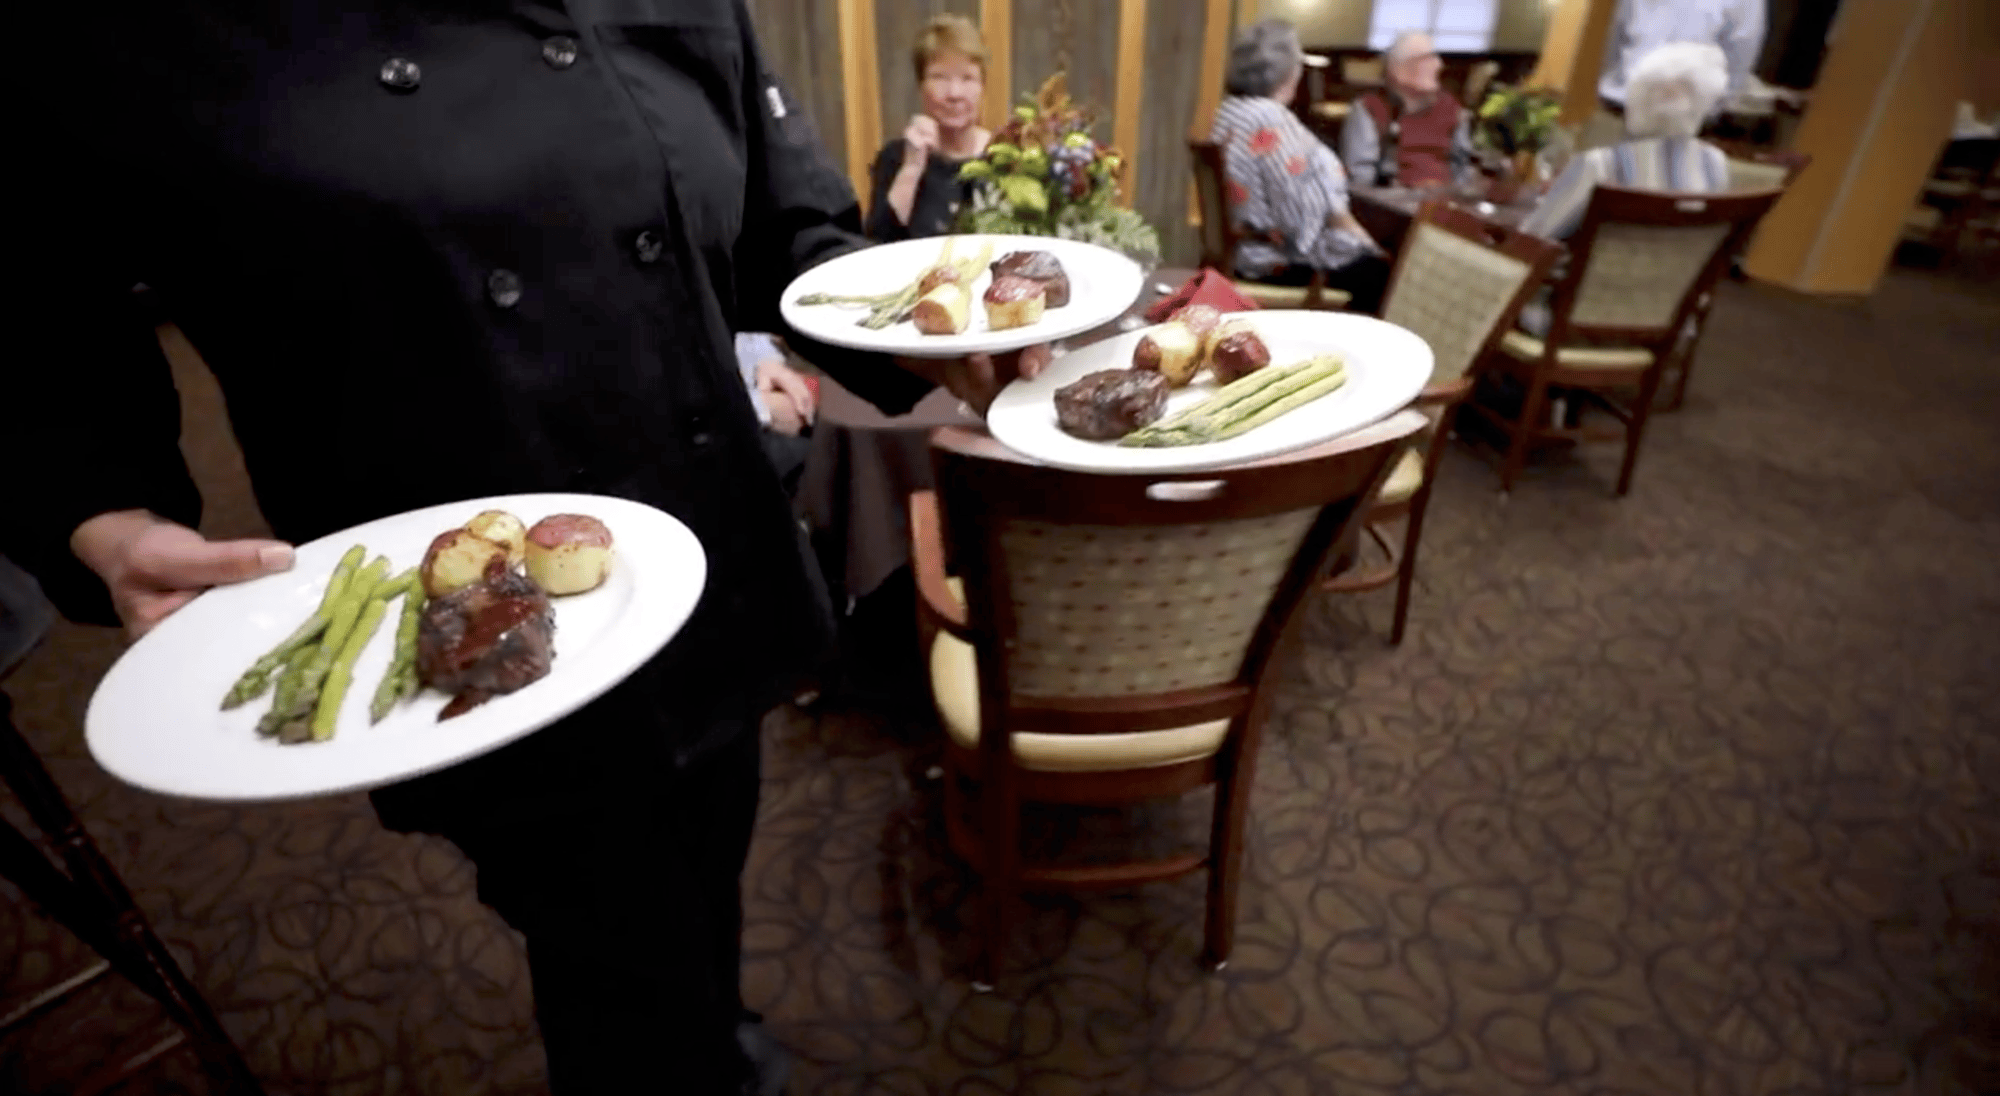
(1287, 192)
(916, 189)
(1669, 93)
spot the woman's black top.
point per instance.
(939, 196)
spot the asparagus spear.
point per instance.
(1226, 396)
(1242, 405)
(257, 678)
(1280, 406)
(341, 675)
(1294, 380)
(294, 722)
(288, 687)
(399, 681)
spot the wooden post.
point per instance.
(996, 25)
(1131, 89)
(862, 80)
(1214, 52)
(1879, 114)
(1573, 55)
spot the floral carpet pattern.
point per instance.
(1695, 792)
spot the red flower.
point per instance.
(1237, 195)
(1264, 140)
(1296, 165)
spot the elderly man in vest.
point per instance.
(1408, 134)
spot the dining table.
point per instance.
(1387, 211)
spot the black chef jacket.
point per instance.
(431, 251)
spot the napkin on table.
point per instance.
(1210, 287)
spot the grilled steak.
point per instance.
(1111, 403)
(1040, 266)
(491, 637)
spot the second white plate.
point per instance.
(1102, 285)
(1386, 367)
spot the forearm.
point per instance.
(1360, 146)
(902, 194)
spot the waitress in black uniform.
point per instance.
(915, 188)
(434, 250)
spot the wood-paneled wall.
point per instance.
(1167, 79)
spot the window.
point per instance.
(1456, 26)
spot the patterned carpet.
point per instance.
(1692, 793)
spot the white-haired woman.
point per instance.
(1287, 191)
(1671, 91)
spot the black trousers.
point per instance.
(1365, 279)
(628, 890)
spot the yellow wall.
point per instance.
(1344, 23)
(1879, 114)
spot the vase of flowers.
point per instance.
(1513, 126)
(1044, 174)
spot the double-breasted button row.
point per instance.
(402, 75)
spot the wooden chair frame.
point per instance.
(976, 496)
(1682, 365)
(1441, 400)
(1609, 205)
(1219, 243)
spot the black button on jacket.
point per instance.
(414, 291)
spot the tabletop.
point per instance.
(1386, 211)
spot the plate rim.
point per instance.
(672, 602)
(856, 337)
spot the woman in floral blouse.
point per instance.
(1287, 191)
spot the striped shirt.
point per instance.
(1680, 164)
(1281, 180)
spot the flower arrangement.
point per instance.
(1517, 120)
(1043, 174)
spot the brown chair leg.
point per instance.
(1406, 573)
(1000, 846)
(1635, 432)
(93, 903)
(1225, 859)
(1523, 432)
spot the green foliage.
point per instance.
(1044, 174)
(1513, 120)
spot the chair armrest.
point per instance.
(927, 561)
(1443, 394)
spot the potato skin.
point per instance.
(1238, 352)
(1171, 350)
(945, 310)
(945, 274)
(501, 528)
(569, 553)
(1014, 301)
(456, 559)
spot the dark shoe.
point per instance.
(770, 1063)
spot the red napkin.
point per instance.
(1210, 287)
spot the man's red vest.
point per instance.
(1423, 141)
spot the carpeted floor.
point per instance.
(1690, 793)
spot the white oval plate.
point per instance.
(1386, 367)
(155, 720)
(1102, 285)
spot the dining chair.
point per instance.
(1220, 237)
(72, 883)
(1459, 283)
(1639, 262)
(1111, 639)
(1759, 170)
